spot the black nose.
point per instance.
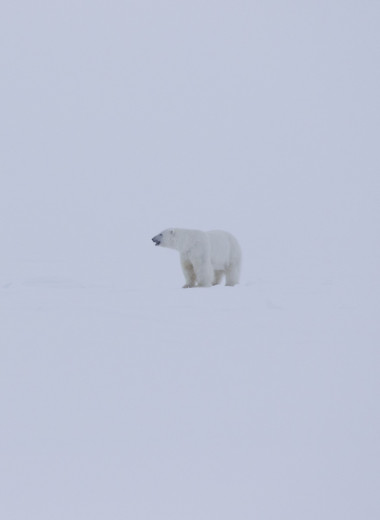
(156, 240)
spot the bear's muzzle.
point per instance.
(157, 239)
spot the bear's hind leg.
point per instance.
(232, 275)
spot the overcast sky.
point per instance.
(137, 400)
(121, 118)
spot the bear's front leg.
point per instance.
(218, 275)
(204, 273)
(188, 271)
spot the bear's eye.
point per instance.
(172, 231)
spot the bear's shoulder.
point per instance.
(190, 238)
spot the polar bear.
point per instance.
(205, 256)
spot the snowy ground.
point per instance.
(255, 401)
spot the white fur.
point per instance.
(205, 256)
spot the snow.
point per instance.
(123, 395)
(168, 403)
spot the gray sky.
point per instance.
(137, 400)
(119, 119)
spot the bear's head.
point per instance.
(166, 238)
